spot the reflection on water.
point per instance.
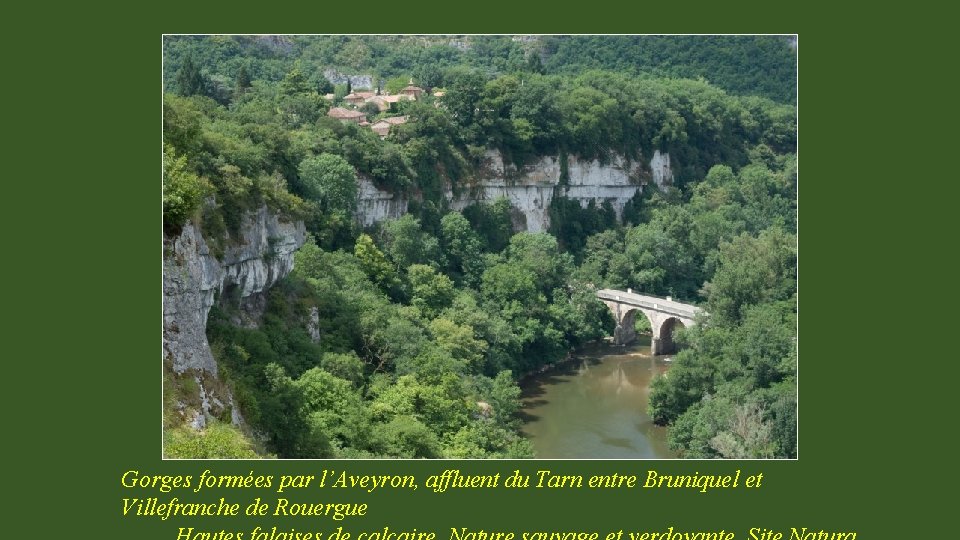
(596, 406)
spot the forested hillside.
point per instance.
(407, 339)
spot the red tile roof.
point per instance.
(340, 112)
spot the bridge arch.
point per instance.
(662, 342)
(626, 329)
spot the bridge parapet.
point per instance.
(649, 302)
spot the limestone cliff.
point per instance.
(531, 188)
(193, 277)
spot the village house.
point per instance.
(382, 128)
(384, 103)
(413, 91)
(347, 115)
(358, 98)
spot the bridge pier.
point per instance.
(624, 334)
(664, 345)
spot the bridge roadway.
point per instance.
(686, 311)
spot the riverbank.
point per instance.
(593, 348)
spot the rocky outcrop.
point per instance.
(375, 205)
(531, 188)
(356, 81)
(193, 277)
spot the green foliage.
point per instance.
(331, 181)
(492, 223)
(324, 86)
(760, 65)
(732, 392)
(462, 248)
(347, 366)
(719, 427)
(406, 243)
(334, 410)
(430, 291)
(396, 84)
(243, 81)
(371, 110)
(406, 437)
(190, 81)
(216, 441)
(295, 82)
(459, 342)
(540, 254)
(374, 263)
(573, 224)
(752, 271)
(183, 191)
(487, 440)
(641, 324)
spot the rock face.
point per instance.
(193, 276)
(356, 81)
(375, 205)
(531, 187)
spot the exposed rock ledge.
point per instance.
(192, 276)
(531, 188)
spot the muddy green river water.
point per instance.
(595, 406)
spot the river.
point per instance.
(595, 406)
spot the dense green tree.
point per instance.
(406, 243)
(243, 81)
(462, 248)
(752, 271)
(406, 437)
(540, 254)
(573, 224)
(190, 81)
(487, 440)
(396, 84)
(459, 343)
(510, 284)
(333, 408)
(282, 414)
(183, 191)
(295, 82)
(182, 127)
(347, 366)
(430, 290)
(330, 180)
(374, 263)
(324, 86)
(428, 75)
(492, 222)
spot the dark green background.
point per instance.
(82, 266)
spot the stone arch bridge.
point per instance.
(663, 314)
